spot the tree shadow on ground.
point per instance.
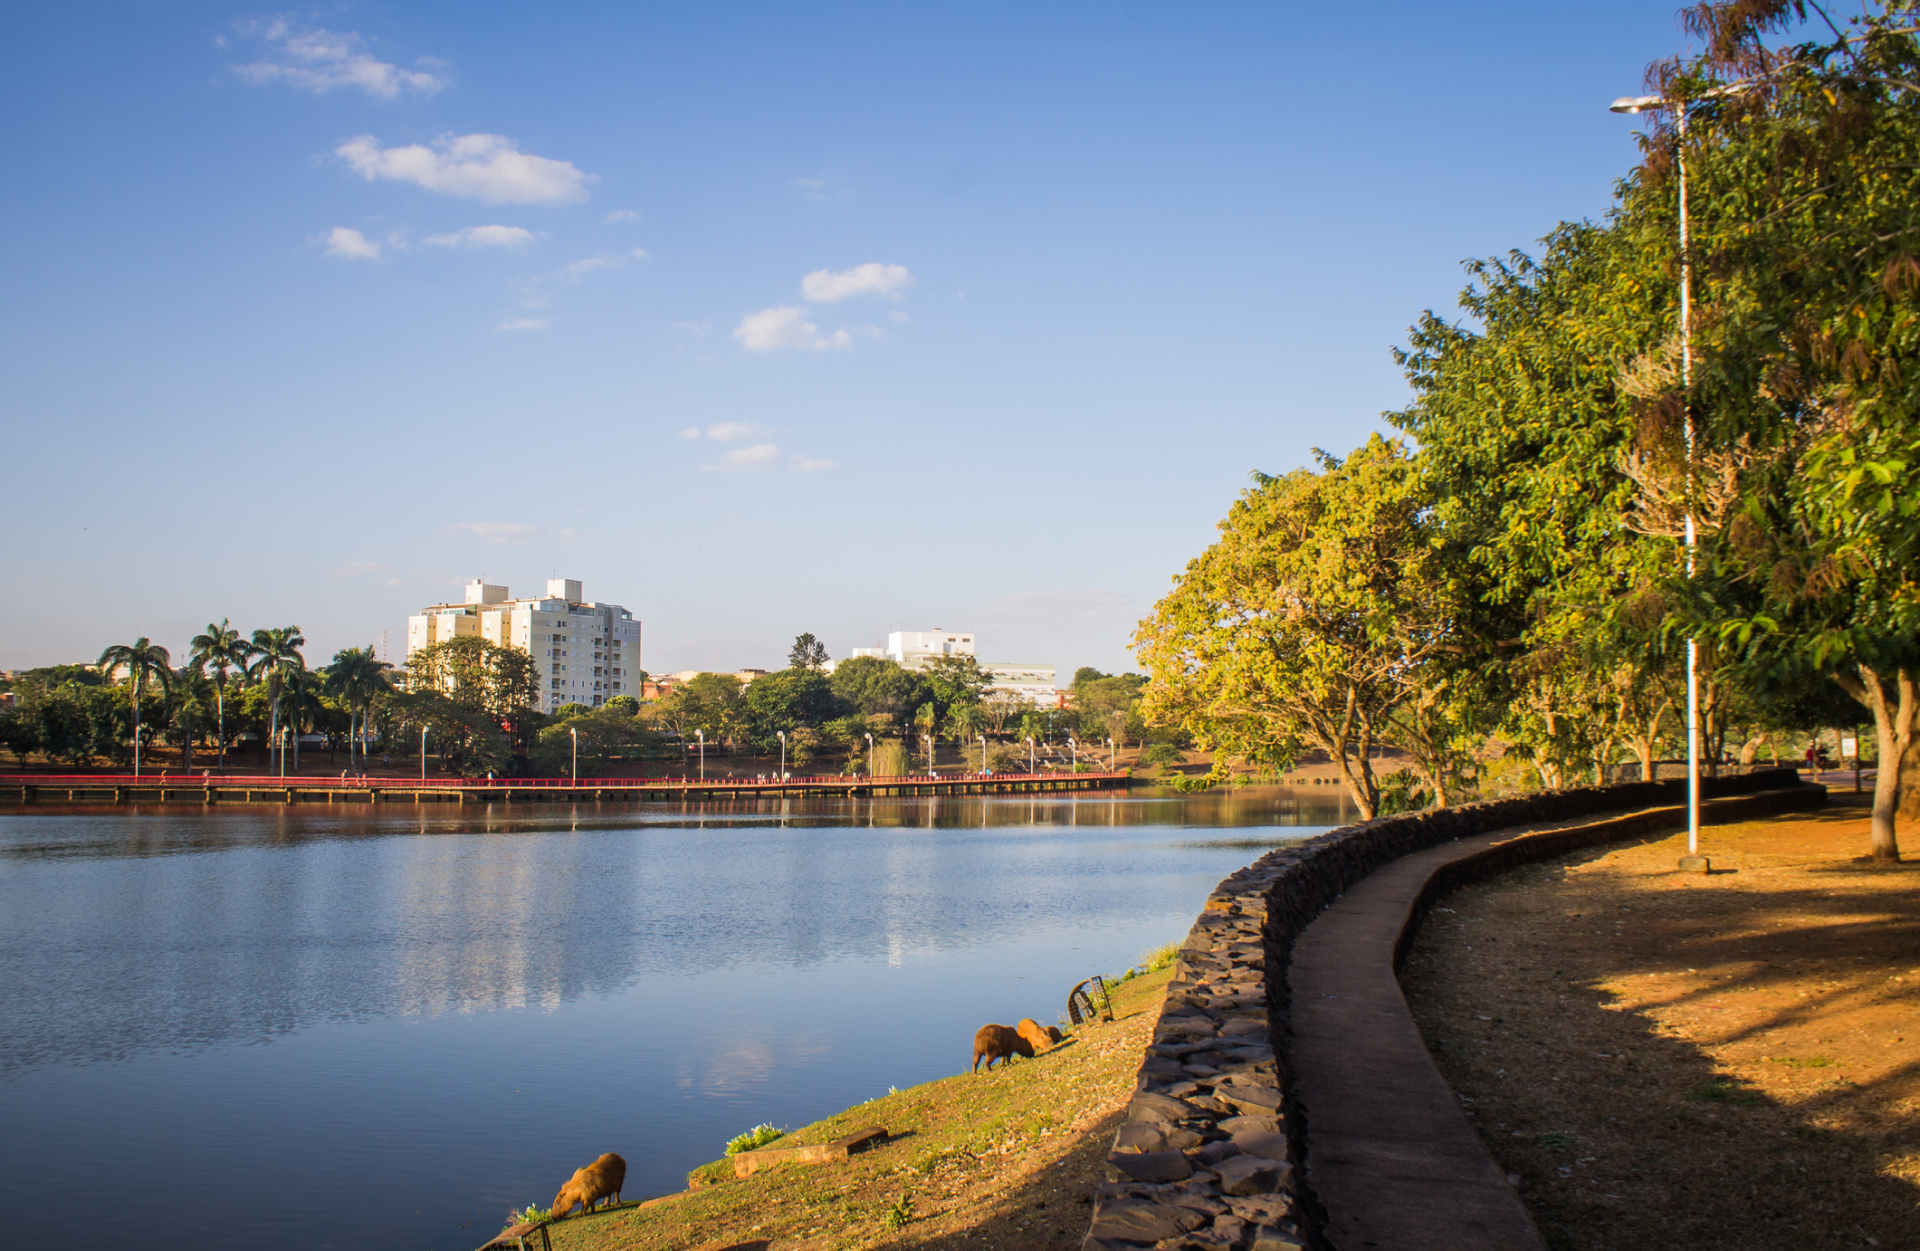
(1570, 1005)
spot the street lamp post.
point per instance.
(1073, 745)
(423, 753)
(1638, 104)
(702, 736)
(783, 754)
(869, 757)
(928, 740)
(575, 731)
(1110, 756)
(983, 753)
(1029, 753)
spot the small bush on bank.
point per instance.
(758, 1136)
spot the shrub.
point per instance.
(529, 1215)
(1162, 754)
(758, 1136)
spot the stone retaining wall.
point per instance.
(1211, 1151)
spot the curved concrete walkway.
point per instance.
(1391, 1159)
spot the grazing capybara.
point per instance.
(1054, 1035)
(997, 1042)
(1034, 1033)
(601, 1179)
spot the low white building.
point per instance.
(585, 652)
(912, 649)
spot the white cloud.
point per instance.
(735, 431)
(349, 244)
(320, 60)
(523, 323)
(1061, 610)
(823, 286)
(484, 237)
(747, 459)
(900, 316)
(691, 432)
(772, 329)
(576, 270)
(479, 167)
(499, 533)
(808, 464)
(620, 215)
(639, 254)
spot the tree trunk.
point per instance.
(1893, 726)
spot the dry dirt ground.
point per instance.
(1671, 1060)
(1005, 1161)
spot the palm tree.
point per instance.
(273, 656)
(191, 686)
(303, 701)
(357, 678)
(219, 648)
(143, 661)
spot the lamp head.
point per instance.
(1635, 104)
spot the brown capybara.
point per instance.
(997, 1042)
(601, 1179)
(1034, 1033)
(1054, 1035)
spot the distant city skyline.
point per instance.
(841, 320)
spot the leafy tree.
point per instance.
(787, 700)
(604, 734)
(144, 662)
(219, 648)
(1802, 153)
(808, 653)
(625, 704)
(710, 702)
(879, 687)
(1311, 620)
(481, 699)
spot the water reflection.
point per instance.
(702, 968)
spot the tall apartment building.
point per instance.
(910, 649)
(585, 652)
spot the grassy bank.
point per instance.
(1009, 1158)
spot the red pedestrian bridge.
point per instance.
(199, 788)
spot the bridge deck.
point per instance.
(206, 789)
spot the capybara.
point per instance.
(1054, 1035)
(997, 1042)
(601, 1179)
(1034, 1033)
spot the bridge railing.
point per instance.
(267, 781)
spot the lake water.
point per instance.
(381, 1028)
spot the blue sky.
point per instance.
(757, 318)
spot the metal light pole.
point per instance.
(783, 754)
(1638, 104)
(702, 736)
(423, 753)
(928, 740)
(1110, 756)
(1073, 745)
(869, 757)
(575, 731)
(1029, 753)
(983, 753)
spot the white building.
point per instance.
(912, 649)
(585, 652)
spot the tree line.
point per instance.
(1514, 564)
(474, 705)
